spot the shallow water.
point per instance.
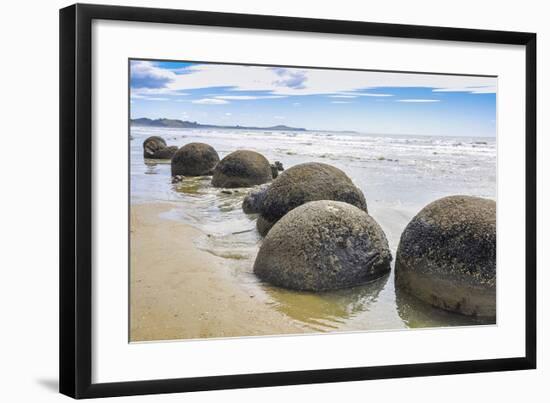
(398, 175)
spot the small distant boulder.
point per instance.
(194, 159)
(165, 153)
(307, 182)
(276, 167)
(254, 199)
(447, 256)
(242, 168)
(274, 171)
(152, 145)
(323, 245)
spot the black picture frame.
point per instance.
(76, 200)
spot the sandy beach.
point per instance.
(193, 247)
(181, 292)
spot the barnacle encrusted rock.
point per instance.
(447, 255)
(323, 245)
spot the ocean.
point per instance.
(399, 175)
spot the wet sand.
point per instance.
(180, 292)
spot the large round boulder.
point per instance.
(151, 145)
(242, 168)
(447, 256)
(307, 182)
(194, 159)
(323, 245)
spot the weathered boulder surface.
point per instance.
(194, 159)
(254, 199)
(447, 256)
(323, 245)
(151, 145)
(242, 168)
(308, 182)
(263, 225)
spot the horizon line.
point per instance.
(310, 130)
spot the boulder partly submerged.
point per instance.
(242, 168)
(152, 145)
(254, 199)
(447, 256)
(194, 159)
(304, 183)
(323, 245)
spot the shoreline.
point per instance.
(168, 279)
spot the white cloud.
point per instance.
(342, 96)
(150, 82)
(341, 102)
(418, 100)
(279, 117)
(228, 114)
(147, 98)
(210, 101)
(296, 104)
(145, 76)
(472, 90)
(359, 94)
(248, 97)
(370, 94)
(158, 91)
(288, 81)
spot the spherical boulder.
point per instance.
(323, 245)
(194, 159)
(447, 256)
(165, 153)
(151, 145)
(254, 199)
(308, 182)
(242, 168)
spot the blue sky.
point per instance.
(364, 101)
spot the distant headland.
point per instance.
(185, 124)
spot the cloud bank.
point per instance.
(146, 78)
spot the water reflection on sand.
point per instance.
(326, 310)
